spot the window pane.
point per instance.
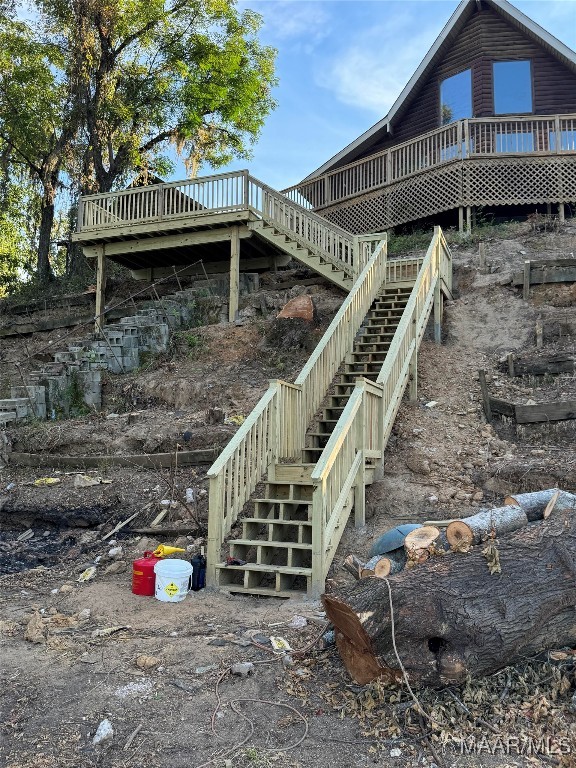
(456, 97)
(512, 87)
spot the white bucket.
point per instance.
(173, 580)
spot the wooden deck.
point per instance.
(477, 162)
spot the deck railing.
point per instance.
(365, 424)
(212, 195)
(276, 427)
(458, 141)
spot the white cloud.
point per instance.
(287, 20)
(372, 72)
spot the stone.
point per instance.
(147, 662)
(242, 668)
(104, 732)
(66, 588)
(299, 307)
(418, 464)
(118, 567)
(36, 630)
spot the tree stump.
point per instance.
(452, 618)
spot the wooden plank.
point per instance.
(554, 274)
(501, 406)
(526, 280)
(544, 412)
(550, 365)
(156, 460)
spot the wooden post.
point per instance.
(485, 396)
(539, 333)
(100, 317)
(482, 255)
(561, 215)
(511, 369)
(215, 515)
(360, 490)
(234, 273)
(526, 291)
(461, 219)
(437, 312)
(413, 367)
(468, 219)
(318, 523)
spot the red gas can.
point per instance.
(143, 576)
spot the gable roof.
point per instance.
(446, 37)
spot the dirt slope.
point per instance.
(443, 461)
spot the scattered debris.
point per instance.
(242, 668)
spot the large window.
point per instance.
(512, 87)
(456, 97)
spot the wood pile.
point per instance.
(485, 592)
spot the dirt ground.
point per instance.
(75, 654)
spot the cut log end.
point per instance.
(421, 538)
(459, 534)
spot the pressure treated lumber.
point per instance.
(534, 504)
(452, 618)
(474, 529)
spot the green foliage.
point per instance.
(149, 74)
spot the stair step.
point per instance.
(283, 490)
(272, 530)
(266, 580)
(294, 473)
(275, 510)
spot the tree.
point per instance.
(38, 117)
(97, 91)
(187, 73)
(19, 208)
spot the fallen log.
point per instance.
(534, 504)
(474, 529)
(452, 618)
(353, 565)
(384, 565)
(420, 539)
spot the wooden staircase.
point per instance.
(282, 490)
(335, 270)
(276, 539)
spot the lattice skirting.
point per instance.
(477, 182)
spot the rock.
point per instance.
(287, 661)
(147, 662)
(84, 614)
(461, 496)
(115, 553)
(418, 464)
(203, 670)
(105, 732)
(66, 588)
(297, 622)
(395, 752)
(299, 307)
(242, 668)
(36, 630)
(117, 567)
(478, 496)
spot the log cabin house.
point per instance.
(487, 120)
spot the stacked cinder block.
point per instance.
(80, 366)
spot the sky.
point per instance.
(342, 63)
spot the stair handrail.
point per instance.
(320, 235)
(338, 339)
(341, 465)
(340, 469)
(270, 432)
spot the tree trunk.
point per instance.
(44, 270)
(453, 618)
